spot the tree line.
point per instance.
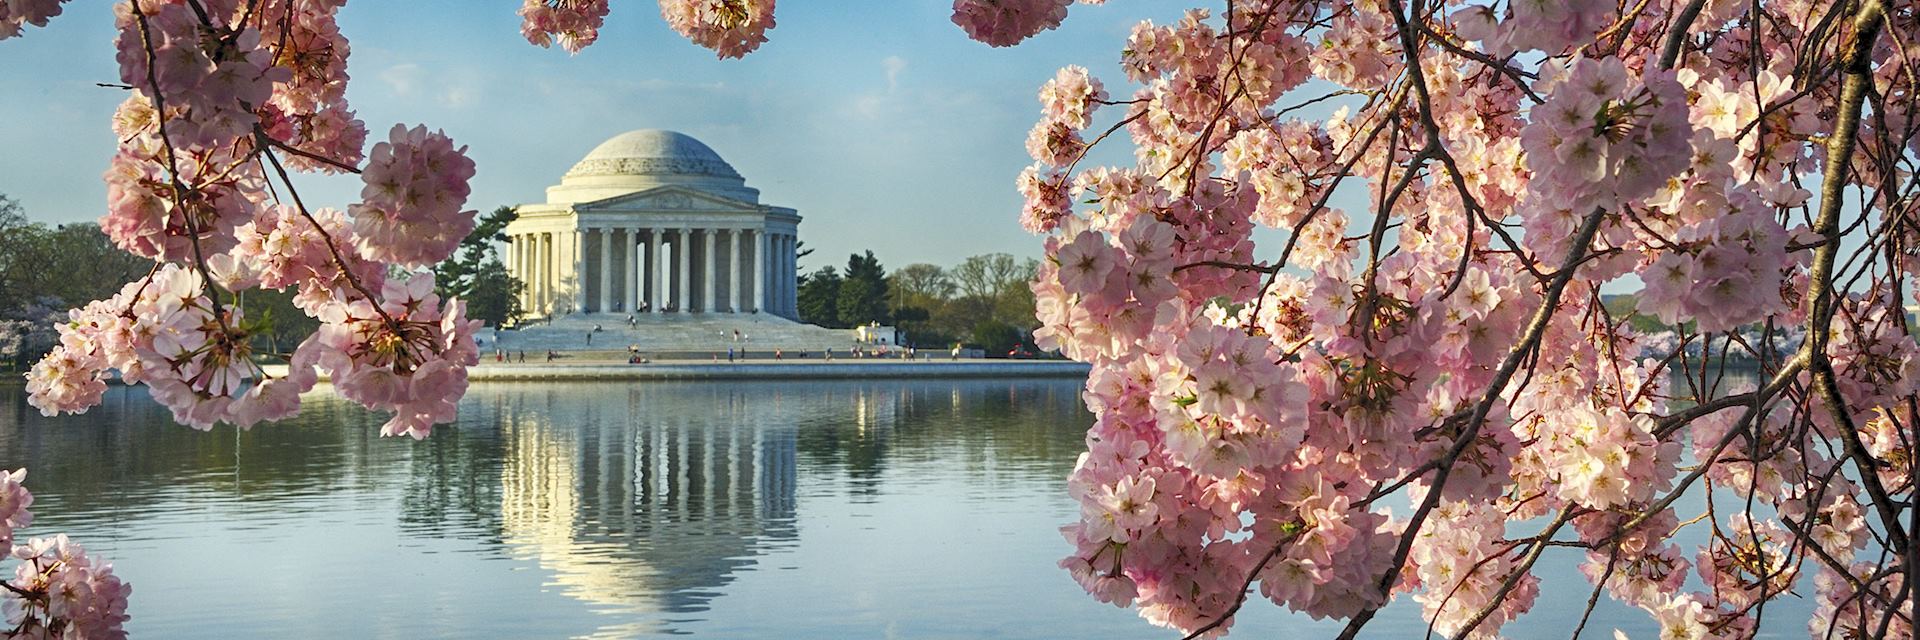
(982, 302)
(47, 269)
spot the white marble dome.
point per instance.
(639, 160)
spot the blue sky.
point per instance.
(878, 119)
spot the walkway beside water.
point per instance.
(772, 370)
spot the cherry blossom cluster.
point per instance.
(225, 99)
(409, 212)
(731, 28)
(735, 28)
(1004, 23)
(57, 590)
(14, 500)
(1449, 340)
(1069, 100)
(409, 355)
(1605, 136)
(16, 14)
(1722, 272)
(573, 24)
(1549, 25)
(166, 332)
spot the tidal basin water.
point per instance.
(861, 509)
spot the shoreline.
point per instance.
(770, 370)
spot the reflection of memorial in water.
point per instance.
(637, 515)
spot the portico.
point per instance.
(654, 221)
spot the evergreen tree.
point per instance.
(476, 274)
(818, 297)
(863, 294)
(494, 295)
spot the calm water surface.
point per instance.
(876, 509)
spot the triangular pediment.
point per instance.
(667, 198)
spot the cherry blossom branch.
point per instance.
(1293, 530)
(1820, 296)
(1593, 598)
(1519, 76)
(339, 261)
(1531, 338)
(173, 168)
(270, 140)
(1236, 266)
(1514, 576)
(1758, 401)
(1677, 33)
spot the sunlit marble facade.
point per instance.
(655, 220)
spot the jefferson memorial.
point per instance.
(654, 221)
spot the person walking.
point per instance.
(729, 354)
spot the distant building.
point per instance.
(655, 220)
(876, 334)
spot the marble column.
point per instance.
(655, 299)
(760, 269)
(786, 278)
(682, 254)
(712, 261)
(513, 264)
(632, 303)
(779, 282)
(786, 275)
(776, 285)
(733, 270)
(527, 256)
(578, 254)
(542, 253)
(606, 269)
(780, 274)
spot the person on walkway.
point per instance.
(523, 356)
(631, 323)
(549, 355)
(829, 353)
(729, 354)
(589, 338)
(779, 354)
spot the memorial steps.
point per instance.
(669, 335)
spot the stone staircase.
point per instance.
(695, 335)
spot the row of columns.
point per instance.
(626, 269)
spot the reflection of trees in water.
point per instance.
(642, 499)
(127, 454)
(982, 425)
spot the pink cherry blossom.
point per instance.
(410, 209)
(573, 23)
(1004, 23)
(731, 28)
(15, 14)
(14, 500)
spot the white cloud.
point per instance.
(894, 65)
(402, 78)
